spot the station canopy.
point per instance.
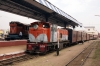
(40, 10)
(50, 8)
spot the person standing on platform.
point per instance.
(20, 35)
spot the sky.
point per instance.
(82, 10)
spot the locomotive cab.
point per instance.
(39, 32)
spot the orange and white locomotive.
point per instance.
(43, 37)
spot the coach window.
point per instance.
(83, 35)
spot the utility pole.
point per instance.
(97, 15)
(58, 43)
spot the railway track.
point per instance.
(80, 59)
(76, 61)
(13, 60)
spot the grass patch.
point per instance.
(96, 57)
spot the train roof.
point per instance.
(19, 23)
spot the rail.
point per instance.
(80, 59)
(16, 59)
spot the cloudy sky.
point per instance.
(82, 10)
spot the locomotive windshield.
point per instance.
(35, 26)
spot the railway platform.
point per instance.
(12, 43)
(9, 49)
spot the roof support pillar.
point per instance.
(47, 17)
(65, 24)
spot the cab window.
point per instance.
(46, 25)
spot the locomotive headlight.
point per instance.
(35, 26)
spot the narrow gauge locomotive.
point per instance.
(44, 36)
(15, 29)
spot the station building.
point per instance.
(91, 30)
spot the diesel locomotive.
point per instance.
(15, 29)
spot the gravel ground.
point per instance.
(52, 59)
